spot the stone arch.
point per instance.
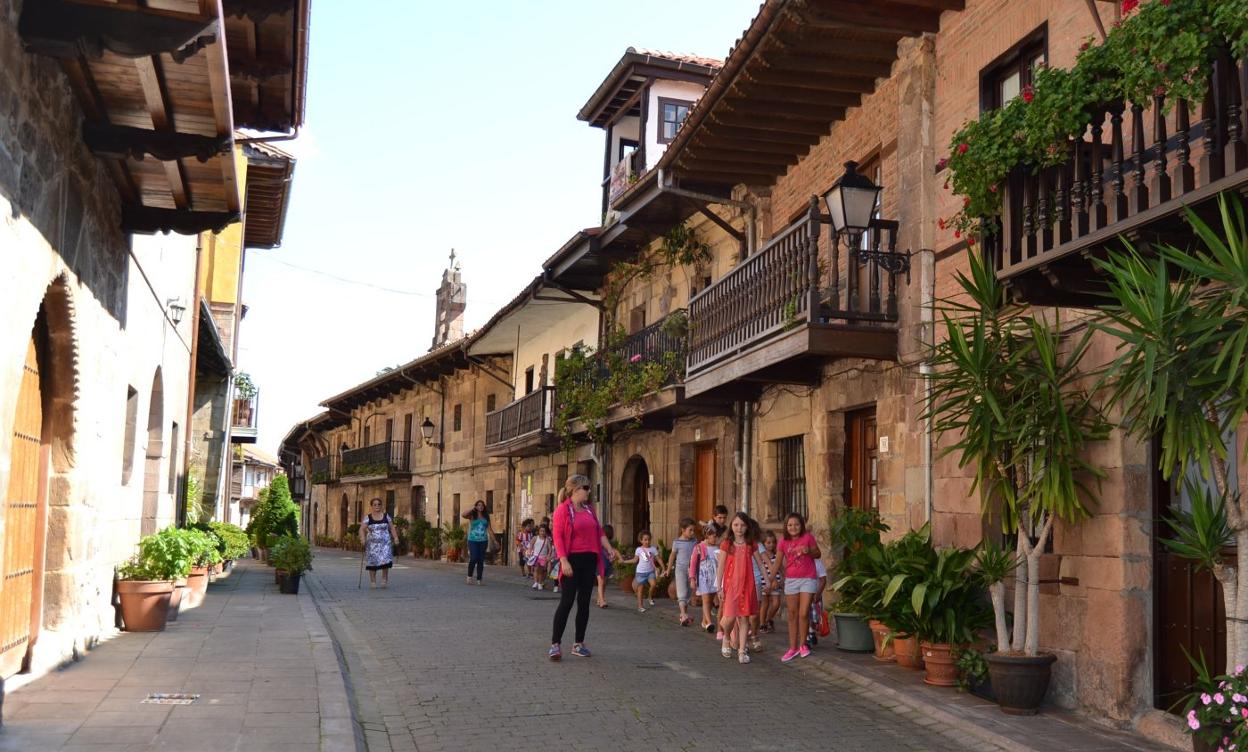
(153, 455)
(634, 499)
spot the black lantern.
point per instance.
(176, 309)
(426, 430)
(851, 201)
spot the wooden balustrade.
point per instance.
(804, 276)
(324, 469)
(529, 415)
(1156, 160)
(393, 455)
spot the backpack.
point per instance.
(706, 565)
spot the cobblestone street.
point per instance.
(435, 664)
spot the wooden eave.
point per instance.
(618, 95)
(269, 176)
(800, 68)
(267, 42)
(444, 361)
(154, 91)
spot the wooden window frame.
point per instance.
(457, 418)
(662, 103)
(1016, 59)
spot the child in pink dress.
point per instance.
(737, 556)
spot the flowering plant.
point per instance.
(1217, 709)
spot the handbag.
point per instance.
(824, 627)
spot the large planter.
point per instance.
(1020, 681)
(942, 669)
(883, 646)
(144, 604)
(907, 651)
(278, 576)
(452, 555)
(196, 587)
(175, 598)
(290, 583)
(852, 634)
(626, 583)
(1200, 745)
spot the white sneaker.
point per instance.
(556, 588)
(533, 586)
(651, 602)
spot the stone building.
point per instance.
(251, 471)
(107, 326)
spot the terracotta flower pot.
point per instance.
(626, 584)
(1020, 682)
(942, 670)
(1200, 745)
(196, 587)
(175, 598)
(883, 651)
(144, 604)
(907, 652)
(452, 555)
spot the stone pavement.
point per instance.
(437, 665)
(265, 669)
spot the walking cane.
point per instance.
(360, 582)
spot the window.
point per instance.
(790, 476)
(389, 429)
(627, 147)
(367, 437)
(455, 509)
(489, 502)
(528, 380)
(132, 419)
(1009, 74)
(390, 503)
(173, 459)
(672, 114)
(637, 319)
(418, 502)
(459, 417)
(489, 403)
(407, 428)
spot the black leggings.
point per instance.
(579, 587)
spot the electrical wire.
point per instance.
(345, 280)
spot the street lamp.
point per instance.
(426, 430)
(176, 309)
(852, 202)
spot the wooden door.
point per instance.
(641, 499)
(861, 460)
(1188, 611)
(21, 521)
(704, 484)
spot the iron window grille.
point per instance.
(790, 476)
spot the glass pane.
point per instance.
(1009, 88)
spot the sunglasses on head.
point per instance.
(585, 488)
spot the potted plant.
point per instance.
(855, 538)
(401, 525)
(416, 533)
(1006, 394)
(453, 535)
(145, 584)
(294, 558)
(234, 543)
(204, 555)
(433, 542)
(949, 610)
(624, 573)
(973, 673)
(907, 561)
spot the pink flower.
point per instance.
(1243, 712)
(1239, 669)
(957, 233)
(1219, 698)
(1205, 698)
(635, 359)
(1165, 2)
(1192, 723)
(1238, 698)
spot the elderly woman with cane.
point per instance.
(378, 536)
(580, 546)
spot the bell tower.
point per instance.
(452, 300)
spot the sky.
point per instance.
(433, 126)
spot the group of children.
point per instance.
(741, 574)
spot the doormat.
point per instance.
(169, 698)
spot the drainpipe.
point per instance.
(927, 320)
(925, 370)
(747, 453)
(441, 444)
(509, 532)
(189, 432)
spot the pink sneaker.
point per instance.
(788, 656)
(720, 635)
(804, 652)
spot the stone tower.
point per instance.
(452, 299)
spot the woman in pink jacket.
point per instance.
(580, 545)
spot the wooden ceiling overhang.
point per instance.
(800, 67)
(443, 361)
(619, 94)
(269, 175)
(267, 42)
(152, 81)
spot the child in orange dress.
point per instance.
(736, 557)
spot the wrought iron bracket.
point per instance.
(893, 262)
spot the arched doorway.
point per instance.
(636, 494)
(342, 515)
(155, 449)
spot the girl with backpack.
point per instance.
(703, 573)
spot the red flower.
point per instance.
(942, 164)
(966, 201)
(957, 233)
(1086, 44)
(940, 222)
(1165, 2)
(1129, 5)
(970, 241)
(993, 187)
(962, 147)
(1028, 94)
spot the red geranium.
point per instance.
(962, 148)
(1129, 5)
(1028, 94)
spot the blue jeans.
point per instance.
(476, 557)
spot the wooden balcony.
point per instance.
(243, 427)
(1129, 175)
(798, 301)
(324, 470)
(383, 461)
(523, 427)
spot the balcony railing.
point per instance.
(803, 276)
(243, 419)
(1133, 165)
(382, 459)
(531, 415)
(324, 469)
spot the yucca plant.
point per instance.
(1181, 375)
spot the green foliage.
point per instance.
(417, 530)
(234, 542)
(680, 247)
(1200, 534)
(194, 497)
(855, 538)
(453, 535)
(948, 602)
(275, 513)
(165, 555)
(993, 563)
(592, 383)
(1163, 49)
(365, 468)
(243, 385)
(291, 554)
(433, 538)
(205, 547)
(624, 572)
(972, 668)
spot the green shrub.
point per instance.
(234, 542)
(291, 554)
(205, 547)
(166, 555)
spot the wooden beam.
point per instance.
(223, 113)
(780, 60)
(121, 142)
(741, 155)
(716, 131)
(795, 95)
(151, 219)
(68, 29)
(772, 124)
(732, 166)
(938, 4)
(714, 142)
(779, 108)
(730, 176)
(804, 79)
(877, 15)
(154, 95)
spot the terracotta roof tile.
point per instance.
(679, 57)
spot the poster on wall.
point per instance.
(526, 498)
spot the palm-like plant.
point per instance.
(1182, 375)
(1006, 387)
